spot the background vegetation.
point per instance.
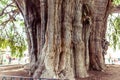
(12, 32)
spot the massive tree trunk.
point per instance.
(97, 37)
(64, 36)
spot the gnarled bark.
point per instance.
(101, 12)
(65, 36)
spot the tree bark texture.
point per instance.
(64, 36)
(98, 32)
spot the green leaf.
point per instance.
(12, 31)
(113, 31)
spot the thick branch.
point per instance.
(20, 5)
(116, 9)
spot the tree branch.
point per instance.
(115, 9)
(5, 8)
(20, 5)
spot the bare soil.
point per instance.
(13, 70)
(112, 72)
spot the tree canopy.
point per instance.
(12, 31)
(116, 2)
(113, 27)
(113, 31)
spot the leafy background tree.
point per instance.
(116, 2)
(113, 31)
(113, 28)
(12, 31)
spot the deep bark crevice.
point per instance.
(65, 36)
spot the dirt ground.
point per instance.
(112, 72)
(13, 70)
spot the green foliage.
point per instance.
(116, 2)
(12, 32)
(113, 32)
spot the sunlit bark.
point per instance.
(65, 36)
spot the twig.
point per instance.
(5, 8)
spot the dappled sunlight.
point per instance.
(12, 70)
